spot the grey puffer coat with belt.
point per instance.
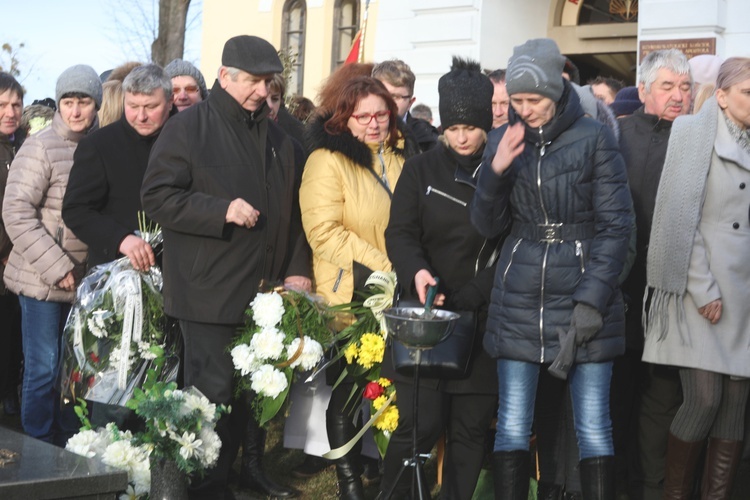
(567, 201)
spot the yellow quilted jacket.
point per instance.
(345, 211)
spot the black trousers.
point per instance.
(11, 354)
(465, 419)
(208, 367)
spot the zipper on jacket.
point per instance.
(510, 261)
(431, 189)
(542, 151)
(338, 280)
(579, 254)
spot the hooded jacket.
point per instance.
(345, 206)
(44, 249)
(567, 202)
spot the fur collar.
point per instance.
(316, 137)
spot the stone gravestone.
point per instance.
(34, 470)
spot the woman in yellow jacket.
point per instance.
(345, 198)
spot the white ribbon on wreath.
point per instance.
(126, 291)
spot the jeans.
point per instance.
(42, 324)
(589, 391)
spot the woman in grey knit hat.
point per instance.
(47, 259)
(698, 269)
(188, 85)
(556, 180)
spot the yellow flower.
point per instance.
(378, 402)
(350, 352)
(372, 348)
(388, 421)
(384, 382)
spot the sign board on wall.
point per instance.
(689, 46)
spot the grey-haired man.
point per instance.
(222, 181)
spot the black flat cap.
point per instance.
(251, 54)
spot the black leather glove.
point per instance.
(587, 321)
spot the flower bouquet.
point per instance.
(178, 431)
(363, 349)
(116, 449)
(383, 413)
(284, 330)
(117, 331)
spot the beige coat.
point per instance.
(719, 268)
(44, 249)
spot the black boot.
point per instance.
(252, 475)
(348, 468)
(547, 491)
(598, 478)
(510, 471)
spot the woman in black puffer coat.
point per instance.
(430, 235)
(557, 180)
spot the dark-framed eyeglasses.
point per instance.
(397, 97)
(366, 118)
(189, 89)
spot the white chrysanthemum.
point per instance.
(196, 402)
(177, 394)
(312, 352)
(129, 494)
(119, 454)
(268, 308)
(244, 359)
(140, 472)
(189, 445)
(83, 443)
(267, 344)
(268, 381)
(211, 447)
(144, 351)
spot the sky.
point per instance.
(58, 34)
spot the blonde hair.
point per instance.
(705, 90)
(112, 102)
(733, 71)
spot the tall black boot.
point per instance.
(598, 478)
(510, 471)
(252, 475)
(348, 468)
(547, 491)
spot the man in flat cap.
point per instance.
(222, 181)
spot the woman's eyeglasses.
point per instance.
(189, 89)
(366, 118)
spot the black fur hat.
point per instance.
(465, 96)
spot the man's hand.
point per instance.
(242, 213)
(711, 311)
(139, 252)
(68, 282)
(298, 283)
(511, 145)
(422, 281)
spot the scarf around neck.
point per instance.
(677, 212)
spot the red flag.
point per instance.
(353, 56)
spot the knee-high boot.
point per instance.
(598, 478)
(252, 475)
(722, 458)
(510, 472)
(348, 468)
(679, 470)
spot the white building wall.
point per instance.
(725, 20)
(426, 34)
